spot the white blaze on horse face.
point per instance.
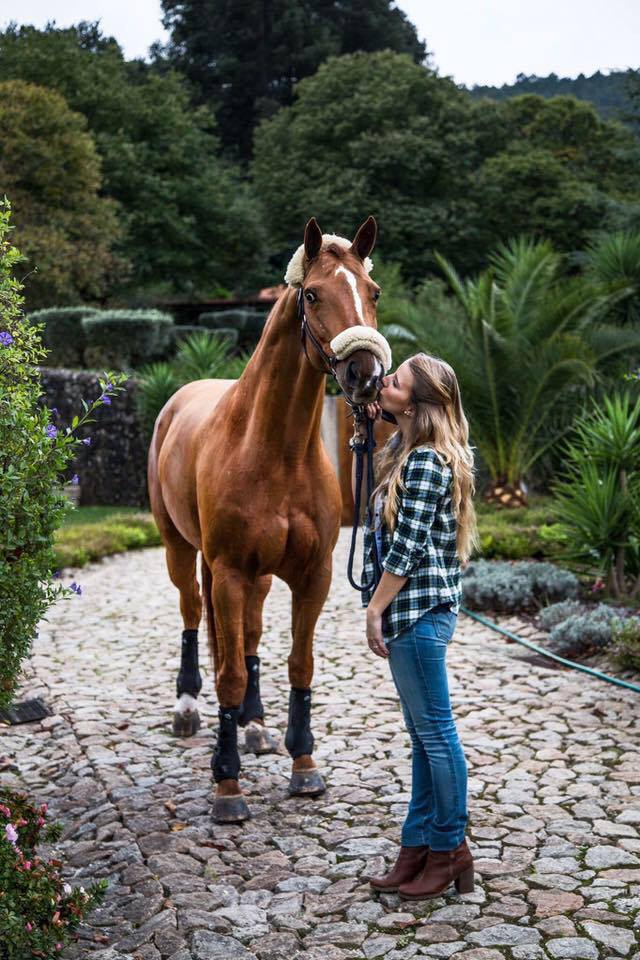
(186, 704)
(351, 280)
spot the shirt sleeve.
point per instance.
(426, 479)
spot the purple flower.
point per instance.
(5, 338)
(75, 479)
(87, 441)
(76, 588)
(57, 574)
(51, 432)
(12, 833)
(54, 411)
(105, 399)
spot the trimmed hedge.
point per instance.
(63, 334)
(127, 338)
(248, 323)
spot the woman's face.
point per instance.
(395, 395)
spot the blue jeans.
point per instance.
(437, 812)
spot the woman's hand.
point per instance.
(373, 410)
(374, 633)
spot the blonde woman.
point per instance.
(425, 530)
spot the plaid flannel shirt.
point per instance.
(422, 547)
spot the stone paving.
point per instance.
(554, 793)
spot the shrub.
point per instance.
(38, 910)
(515, 586)
(625, 642)
(583, 632)
(63, 334)
(82, 543)
(557, 612)
(528, 532)
(35, 459)
(127, 338)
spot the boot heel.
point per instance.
(464, 883)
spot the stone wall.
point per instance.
(113, 470)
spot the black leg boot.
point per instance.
(186, 719)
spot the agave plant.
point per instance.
(527, 339)
(201, 356)
(598, 495)
(157, 382)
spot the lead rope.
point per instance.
(366, 446)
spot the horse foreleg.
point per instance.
(307, 604)
(257, 738)
(230, 594)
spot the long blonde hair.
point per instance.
(440, 421)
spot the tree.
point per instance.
(528, 337)
(373, 133)
(245, 59)
(50, 170)
(557, 170)
(189, 222)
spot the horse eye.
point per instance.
(310, 296)
(376, 295)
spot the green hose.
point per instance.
(547, 653)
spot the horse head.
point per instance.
(337, 307)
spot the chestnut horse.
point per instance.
(237, 470)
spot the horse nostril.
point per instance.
(352, 372)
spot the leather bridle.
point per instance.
(305, 331)
(366, 447)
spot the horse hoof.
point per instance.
(186, 724)
(258, 740)
(233, 809)
(306, 783)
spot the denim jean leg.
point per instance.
(417, 660)
(417, 824)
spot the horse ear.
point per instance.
(365, 239)
(312, 239)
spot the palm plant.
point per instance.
(526, 341)
(598, 494)
(614, 259)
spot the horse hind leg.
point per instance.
(181, 564)
(257, 738)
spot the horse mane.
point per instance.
(294, 275)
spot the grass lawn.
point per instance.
(90, 533)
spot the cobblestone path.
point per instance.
(554, 793)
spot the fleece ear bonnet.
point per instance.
(359, 337)
(294, 275)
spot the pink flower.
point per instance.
(12, 834)
(27, 864)
(28, 926)
(5, 810)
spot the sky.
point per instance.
(473, 41)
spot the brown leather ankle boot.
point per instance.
(443, 867)
(410, 862)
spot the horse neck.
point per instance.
(284, 394)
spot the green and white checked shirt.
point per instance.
(422, 547)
